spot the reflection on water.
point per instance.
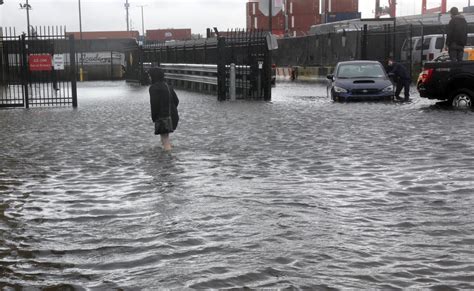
(299, 192)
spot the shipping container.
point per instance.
(168, 34)
(298, 7)
(468, 9)
(340, 6)
(106, 34)
(301, 14)
(341, 16)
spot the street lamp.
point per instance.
(143, 23)
(127, 6)
(28, 8)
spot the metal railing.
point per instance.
(193, 73)
(202, 77)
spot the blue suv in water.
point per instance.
(360, 80)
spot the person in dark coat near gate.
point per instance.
(401, 77)
(456, 35)
(163, 102)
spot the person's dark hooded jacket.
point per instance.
(399, 71)
(163, 98)
(457, 31)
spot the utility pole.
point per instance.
(270, 15)
(81, 69)
(143, 22)
(126, 9)
(285, 6)
(28, 8)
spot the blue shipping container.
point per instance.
(341, 16)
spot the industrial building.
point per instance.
(295, 17)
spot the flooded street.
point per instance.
(297, 193)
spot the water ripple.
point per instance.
(297, 193)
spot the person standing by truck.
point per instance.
(401, 77)
(456, 35)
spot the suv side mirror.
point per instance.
(330, 77)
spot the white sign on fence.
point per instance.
(58, 62)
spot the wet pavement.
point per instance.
(297, 193)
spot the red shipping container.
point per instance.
(298, 7)
(302, 14)
(106, 34)
(168, 34)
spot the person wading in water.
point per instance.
(164, 107)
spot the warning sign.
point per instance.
(40, 62)
(58, 62)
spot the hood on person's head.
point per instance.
(454, 11)
(156, 75)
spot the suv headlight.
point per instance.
(339, 90)
(388, 89)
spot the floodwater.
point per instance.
(297, 193)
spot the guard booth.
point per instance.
(235, 64)
(37, 70)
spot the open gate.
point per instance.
(37, 70)
(240, 60)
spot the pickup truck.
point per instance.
(451, 81)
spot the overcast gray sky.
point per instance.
(194, 14)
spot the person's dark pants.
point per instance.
(403, 84)
(456, 53)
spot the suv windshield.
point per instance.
(352, 71)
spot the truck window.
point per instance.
(439, 43)
(470, 41)
(426, 44)
(406, 44)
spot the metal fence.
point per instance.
(373, 42)
(37, 70)
(248, 51)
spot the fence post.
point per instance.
(394, 42)
(411, 50)
(267, 91)
(25, 70)
(422, 42)
(72, 66)
(232, 89)
(111, 66)
(221, 71)
(364, 43)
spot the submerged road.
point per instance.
(297, 193)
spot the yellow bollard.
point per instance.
(81, 75)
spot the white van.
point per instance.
(433, 46)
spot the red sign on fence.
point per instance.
(40, 62)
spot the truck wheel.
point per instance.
(462, 98)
